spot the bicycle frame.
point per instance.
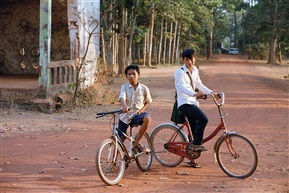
(179, 148)
(113, 157)
(235, 154)
(129, 154)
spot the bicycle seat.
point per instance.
(133, 125)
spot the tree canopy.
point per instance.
(154, 32)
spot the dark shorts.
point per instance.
(138, 120)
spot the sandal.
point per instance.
(141, 147)
(199, 148)
(194, 165)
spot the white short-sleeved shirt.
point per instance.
(183, 86)
(135, 99)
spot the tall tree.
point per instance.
(160, 42)
(121, 40)
(273, 36)
(267, 23)
(150, 36)
(132, 27)
(108, 17)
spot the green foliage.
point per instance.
(139, 33)
(250, 24)
(257, 51)
(72, 86)
(265, 19)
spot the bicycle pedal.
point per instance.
(135, 151)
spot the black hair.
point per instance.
(132, 67)
(188, 53)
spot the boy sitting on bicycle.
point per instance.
(134, 98)
(189, 89)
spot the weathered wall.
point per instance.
(20, 29)
(89, 14)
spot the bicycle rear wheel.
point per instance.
(110, 164)
(144, 161)
(159, 137)
(237, 156)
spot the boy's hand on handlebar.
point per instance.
(201, 96)
(125, 109)
(217, 95)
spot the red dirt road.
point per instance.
(55, 152)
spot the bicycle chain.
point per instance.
(193, 154)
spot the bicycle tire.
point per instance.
(242, 166)
(144, 161)
(109, 171)
(159, 137)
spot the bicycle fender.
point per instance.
(217, 142)
(168, 123)
(176, 127)
(221, 137)
(231, 132)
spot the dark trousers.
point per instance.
(197, 119)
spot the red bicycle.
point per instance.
(235, 154)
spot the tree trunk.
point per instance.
(121, 43)
(133, 21)
(138, 54)
(273, 40)
(170, 43)
(279, 53)
(144, 49)
(109, 54)
(177, 59)
(115, 50)
(103, 47)
(150, 38)
(210, 39)
(108, 48)
(272, 58)
(209, 43)
(154, 50)
(235, 29)
(160, 42)
(174, 43)
(165, 43)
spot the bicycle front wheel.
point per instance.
(237, 156)
(159, 137)
(110, 164)
(144, 161)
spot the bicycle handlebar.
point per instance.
(110, 113)
(107, 113)
(221, 95)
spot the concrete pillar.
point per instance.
(44, 44)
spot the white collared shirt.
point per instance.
(185, 92)
(135, 99)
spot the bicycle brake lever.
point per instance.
(99, 116)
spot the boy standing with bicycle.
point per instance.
(134, 98)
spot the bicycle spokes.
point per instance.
(110, 168)
(112, 153)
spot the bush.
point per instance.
(257, 51)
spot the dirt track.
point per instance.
(55, 152)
